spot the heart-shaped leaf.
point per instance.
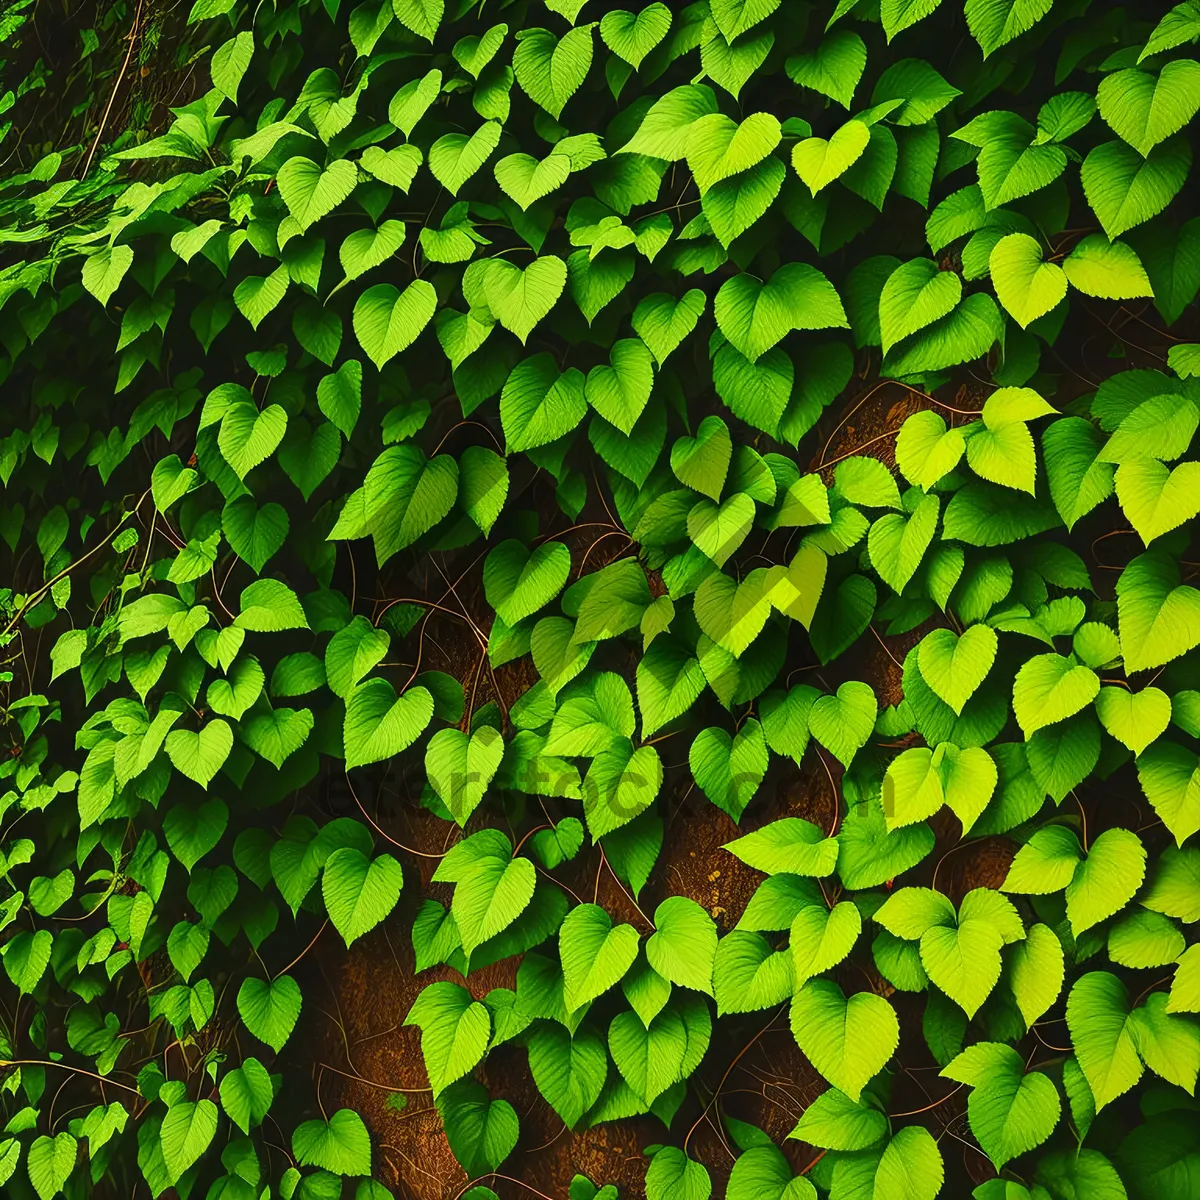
(733, 614)
(359, 891)
(631, 36)
(518, 582)
(1157, 499)
(619, 392)
(953, 666)
(795, 589)
(849, 1040)
(387, 320)
(460, 768)
(1135, 719)
(595, 954)
(200, 754)
(379, 724)
(309, 192)
(719, 529)
(248, 437)
(526, 180)
(702, 462)
(662, 322)
(844, 723)
(730, 770)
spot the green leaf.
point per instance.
(311, 193)
(663, 322)
(1098, 1021)
(994, 23)
(835, 1122)
(481, 1132)
(455, 1032)
(848, 1040)
(963, 961)
(762, 1173)
(754, 316)
(550, 69)
(104, 270)
(247, 1093)
(735, 17)
(460, 769)
(270, 1010)
(819, 162)
(569, 1069)
(926, 450)
(387, 320)
(1158, 618)
(255, 534)
(1010, 1111)
(248, 437)
(595, 954)
(619, 392)
(368, 248)
(526, 180)
(1155, 498)
(843, 723)
(187, 1132)
(1143, 109)
(702, 462)
(729, 770)
(1111, 270)
(953, 666)
(200, 754)
(421, 16)
(519, 583)
(1049, 688)
(539, 404)
(789, 846)
(1036, 971)
(50, 1163)
(674, 1176)
(1106, 880)
(833, 69)
(380, 725)
(669, 680)
(492, 898)
(1185, 987)
(1170, 778)
(897, 544)
(796, 589)
(748, 974)
(632, 36)
(358, 891)
(1125, 189)
(340, 1145)
(915, 295)
(684, 943)
(898, 15)
(719, 147)
(665, 128)
(230, 61)
(455, 157)
(1046, 863)
(821, 938)
(1027, 287)
(649, 1056)
(1135, 719)
(1078, 481)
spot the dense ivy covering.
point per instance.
(550, 430)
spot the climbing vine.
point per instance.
(454, 454)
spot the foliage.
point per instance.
(475, 282)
